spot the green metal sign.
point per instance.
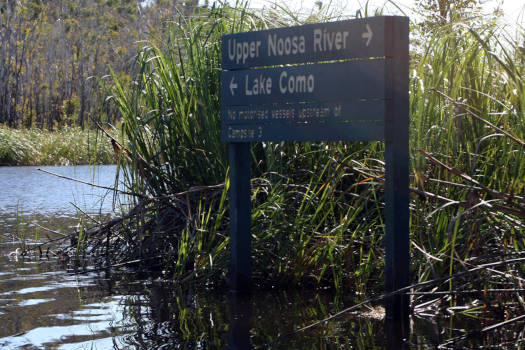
(345, 80)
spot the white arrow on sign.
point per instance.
(368, 34)
(233, 85)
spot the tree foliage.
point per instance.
(439, 12)
(54, 53)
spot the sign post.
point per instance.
(240, 215)
(397, 240)
(348, 82)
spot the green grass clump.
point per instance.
(317, 207)
(467, 111)
(67, 146)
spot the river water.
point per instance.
(45, 306)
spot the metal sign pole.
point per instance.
(397, 180)
(240, 216)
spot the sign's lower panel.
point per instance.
(311, 131)
(367, 110)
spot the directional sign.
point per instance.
(344, 80)
(313, 82)
(307, 43)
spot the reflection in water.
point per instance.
(41, 306)
(187, 319)
(92, 311)
(240, 321)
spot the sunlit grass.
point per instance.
(67, 146)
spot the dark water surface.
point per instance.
(44, 306)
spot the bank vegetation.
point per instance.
(67, 146)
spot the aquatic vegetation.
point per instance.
(66, 146)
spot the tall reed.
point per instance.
(467, 111)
